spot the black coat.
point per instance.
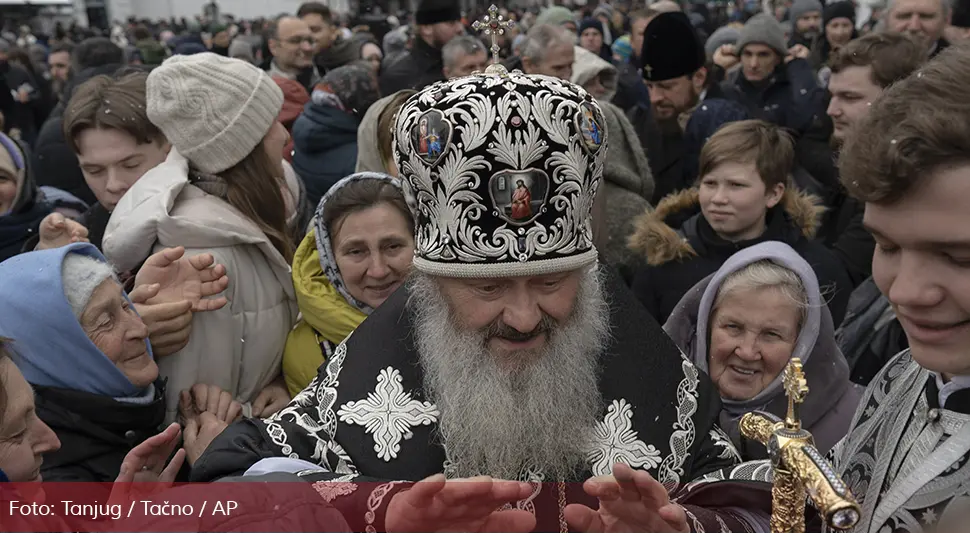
(418, 68)
(96, 432)
(791, 98)
(665, 147)
(641, 370)
(679, 258)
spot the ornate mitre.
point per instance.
(503, 169)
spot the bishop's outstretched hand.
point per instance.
(469, 505)
(631, 501)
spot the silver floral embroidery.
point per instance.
(722, 441)
(389, 413)
(312, 411)
(682, 438)
(615, 441)
(333, 489)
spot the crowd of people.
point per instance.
(575, 248)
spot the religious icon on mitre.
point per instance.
(589, 123)
(431, 136)
(519, 196)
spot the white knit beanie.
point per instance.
(81, 275)
(214, 110)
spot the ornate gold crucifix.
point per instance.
(493, 25)
(796, 388)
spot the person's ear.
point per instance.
(699, 79)
(774, 195)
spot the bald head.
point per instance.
(665, 6)
(291, 44)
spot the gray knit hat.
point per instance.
(722, 36)
(762, 29)
(214, 110)
(803, 7)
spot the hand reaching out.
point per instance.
(206, 411)
(56, 230)
(179, 278)
(169, 324)
(468, 505)
(271, 399)
(630, 502)
(212, 399)
(145, 463)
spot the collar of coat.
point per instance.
(660, 243)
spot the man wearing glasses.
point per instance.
(292, 43)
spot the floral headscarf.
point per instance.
(324, 247)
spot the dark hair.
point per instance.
(124, 97)
(141, 32)
(917, 125)
(892, 56)
(19, 55)
(62, 47)
(363, 194)
(97, 52)
(315, 8)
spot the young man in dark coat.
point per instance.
(744, 197)
(438, 22)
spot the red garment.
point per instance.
(295, 98)
(521, 203)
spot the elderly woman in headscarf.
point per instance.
(84, 350)
(743, 325)
(358, 253)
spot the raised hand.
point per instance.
(211, 399)
(191, 279)
(271, 399)
(169, 324)
(56, 230)
(145, 463)
(467, 505)
(630, 502)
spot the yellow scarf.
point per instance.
(325, 312)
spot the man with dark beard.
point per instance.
(510, 358)
(674, 72)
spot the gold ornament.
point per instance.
(493, 25)
(800, 470)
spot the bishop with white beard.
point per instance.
(511, 353)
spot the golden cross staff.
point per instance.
(494, 25)
(796, 388)
(800, 470)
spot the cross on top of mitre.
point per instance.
(493, 25)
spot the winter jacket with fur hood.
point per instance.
(833, 399)
(239, 347)
(680, 249)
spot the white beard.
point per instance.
(506, 423)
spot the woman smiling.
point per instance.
(744, 323)
(357, 255)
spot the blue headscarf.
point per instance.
(50, 348)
